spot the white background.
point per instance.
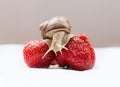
(15, 73)
(98, 19)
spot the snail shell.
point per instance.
(55, 24)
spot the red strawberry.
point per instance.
(61, 59)
(33, 54)
(54, 62)
(80, 54)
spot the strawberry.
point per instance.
(33, 53)
(54, 62)
(61, 59)
(80, 54)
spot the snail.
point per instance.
(57, 33)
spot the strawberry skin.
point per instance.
(61, 58)
(33, 53)
(54, 62)
(80, 54)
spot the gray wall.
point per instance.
(98, 19)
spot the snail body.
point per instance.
(56, 33)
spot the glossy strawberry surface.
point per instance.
(80, 54)
(33, 54)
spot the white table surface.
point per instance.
(15, 73)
